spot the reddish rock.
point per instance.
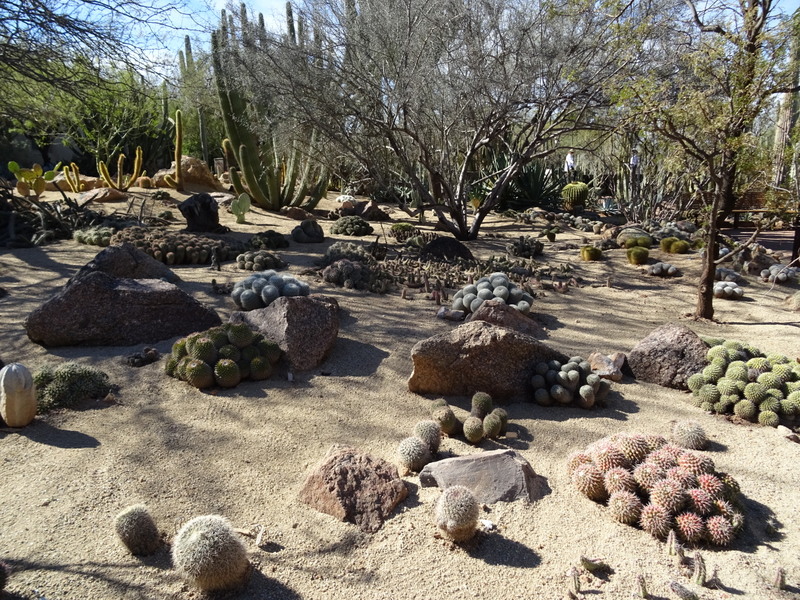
(101, 194)
(296, 213)
(494, 476)
(477, 356)
(607, 366)
(668, 356)
(499, 313)
(305, 327)
(100, 310)
(197, 176)
(354, 487)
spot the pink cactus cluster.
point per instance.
(661, 487)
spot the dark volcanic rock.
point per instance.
(668, 356)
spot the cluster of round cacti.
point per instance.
(642, 241)
(484, 421)
(267, 240)
(457, 512)
(728, 290)
(525, 246)
(348, 250)
(349, 274)
(496, 286)
(725, 274)
(352, 225)
(780, 274)
(741, 380)
(589, 253)
(403, 231)
(637, 255)
(417, 450)
(94, 236)
(572, 382)
(661, 487)
(175, 248)
(662, 269)
(222, 356)
(308, 232)
(261, 289)
(673, 245)
(67, 384)
(259, 260)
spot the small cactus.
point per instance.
(689, 434)
(413, 454)
(457, 513)
(473, 429)
(481, 405)
(446, 418)
(209, 554)
(637, 255)
(137, 530)
(430, 432)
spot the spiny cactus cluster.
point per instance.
(780, 274)
(261, 289)
(350, 251)
(349, 274)
(68, 384)
(352, 225)
(662, 269)
(673, 245)
(222, 356)
(267, 240)
(308, 232)
(642, 241)
(525, 246)
(570, 383)
(457, 512)
(402, 231)
(94, 236)
(728, 290)
(661, 487)
(637, 255)
(174, 248)
(741, 380)
(496, 286)
(484, 421)
(259, 260)
(417, 450)
(209, 554)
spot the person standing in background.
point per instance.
(569, 166)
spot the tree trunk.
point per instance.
(727, 199)
(705, 292)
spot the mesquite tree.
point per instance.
(433, 84)
(706, 84)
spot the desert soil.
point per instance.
(245, 452)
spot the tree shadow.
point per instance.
(496, 549)
(42, 432)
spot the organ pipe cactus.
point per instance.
(271, 178)
(121, 183)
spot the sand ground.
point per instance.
(245, 452)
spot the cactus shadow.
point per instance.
(496, 549)
(412, 500)
(761, 527)
(259, 586)
(42, 432)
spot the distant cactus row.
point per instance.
(570, 383)
(674, 245)
(261, 289)
(222, 356)
(739, 379)
(496, 286)
(662, 488)
(259, 260)
(67, 384)
(177, 248)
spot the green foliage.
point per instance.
(240, 206)
(575, 196)
(32, 180)
(589, 253)
(122, 181)
(535, 185)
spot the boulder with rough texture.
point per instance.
(201, 213)
(197, 176)
(494, 476)
(128, 262)
(305, 327)
(101, 194)
(87, 183)
(296, 213)
(607, 366)
(668, 356)
(499, 313)
(100, 310)
(631, 232)
(366, 209)
(354, 487)
(477, 356)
